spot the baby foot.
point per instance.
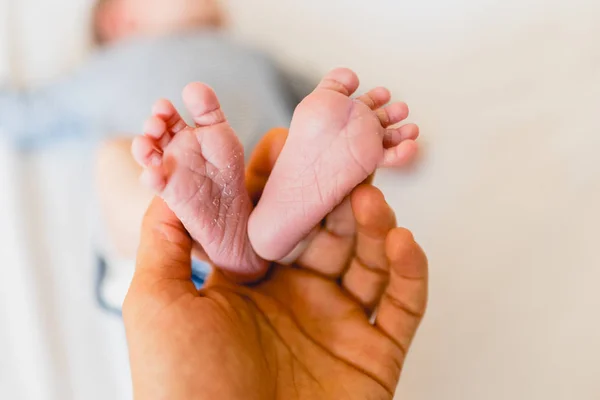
(199, 172)
(334, 144)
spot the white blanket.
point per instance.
(55, 342)
(505, 201)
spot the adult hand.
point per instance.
(304, 332)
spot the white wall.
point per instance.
(43, 39)
(506, 198)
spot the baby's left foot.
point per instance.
(335, 143)
(199, 172)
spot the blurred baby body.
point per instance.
(149, 49)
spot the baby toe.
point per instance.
(155, 127)
(400, 155)
(145, 151)
(342, 80)
(166, 111)
(395, 136)
(203, 104)
(376, 98)
(392, 114)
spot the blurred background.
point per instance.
(505, 199)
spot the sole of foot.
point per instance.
(335, 143)
(199, 172)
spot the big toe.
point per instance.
(341, 80)
(203, 104)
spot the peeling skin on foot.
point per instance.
(215, 208)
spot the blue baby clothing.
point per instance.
(113, 93)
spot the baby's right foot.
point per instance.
(199, 172)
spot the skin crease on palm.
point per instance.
(303, 332)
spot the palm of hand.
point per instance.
(302, 333)
(295, 336)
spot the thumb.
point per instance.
(262, 161)
(163, 270)
(164, 252)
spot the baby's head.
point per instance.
(117, 19)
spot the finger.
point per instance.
(395, 136)
(376, 98)
(165, 248)
(400, 155)
(403, 304)
(163, 271)
(263, 160)
(368, 274)
(329, 248)
(338, 232)
(301, 248)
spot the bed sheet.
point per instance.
(55, 342)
